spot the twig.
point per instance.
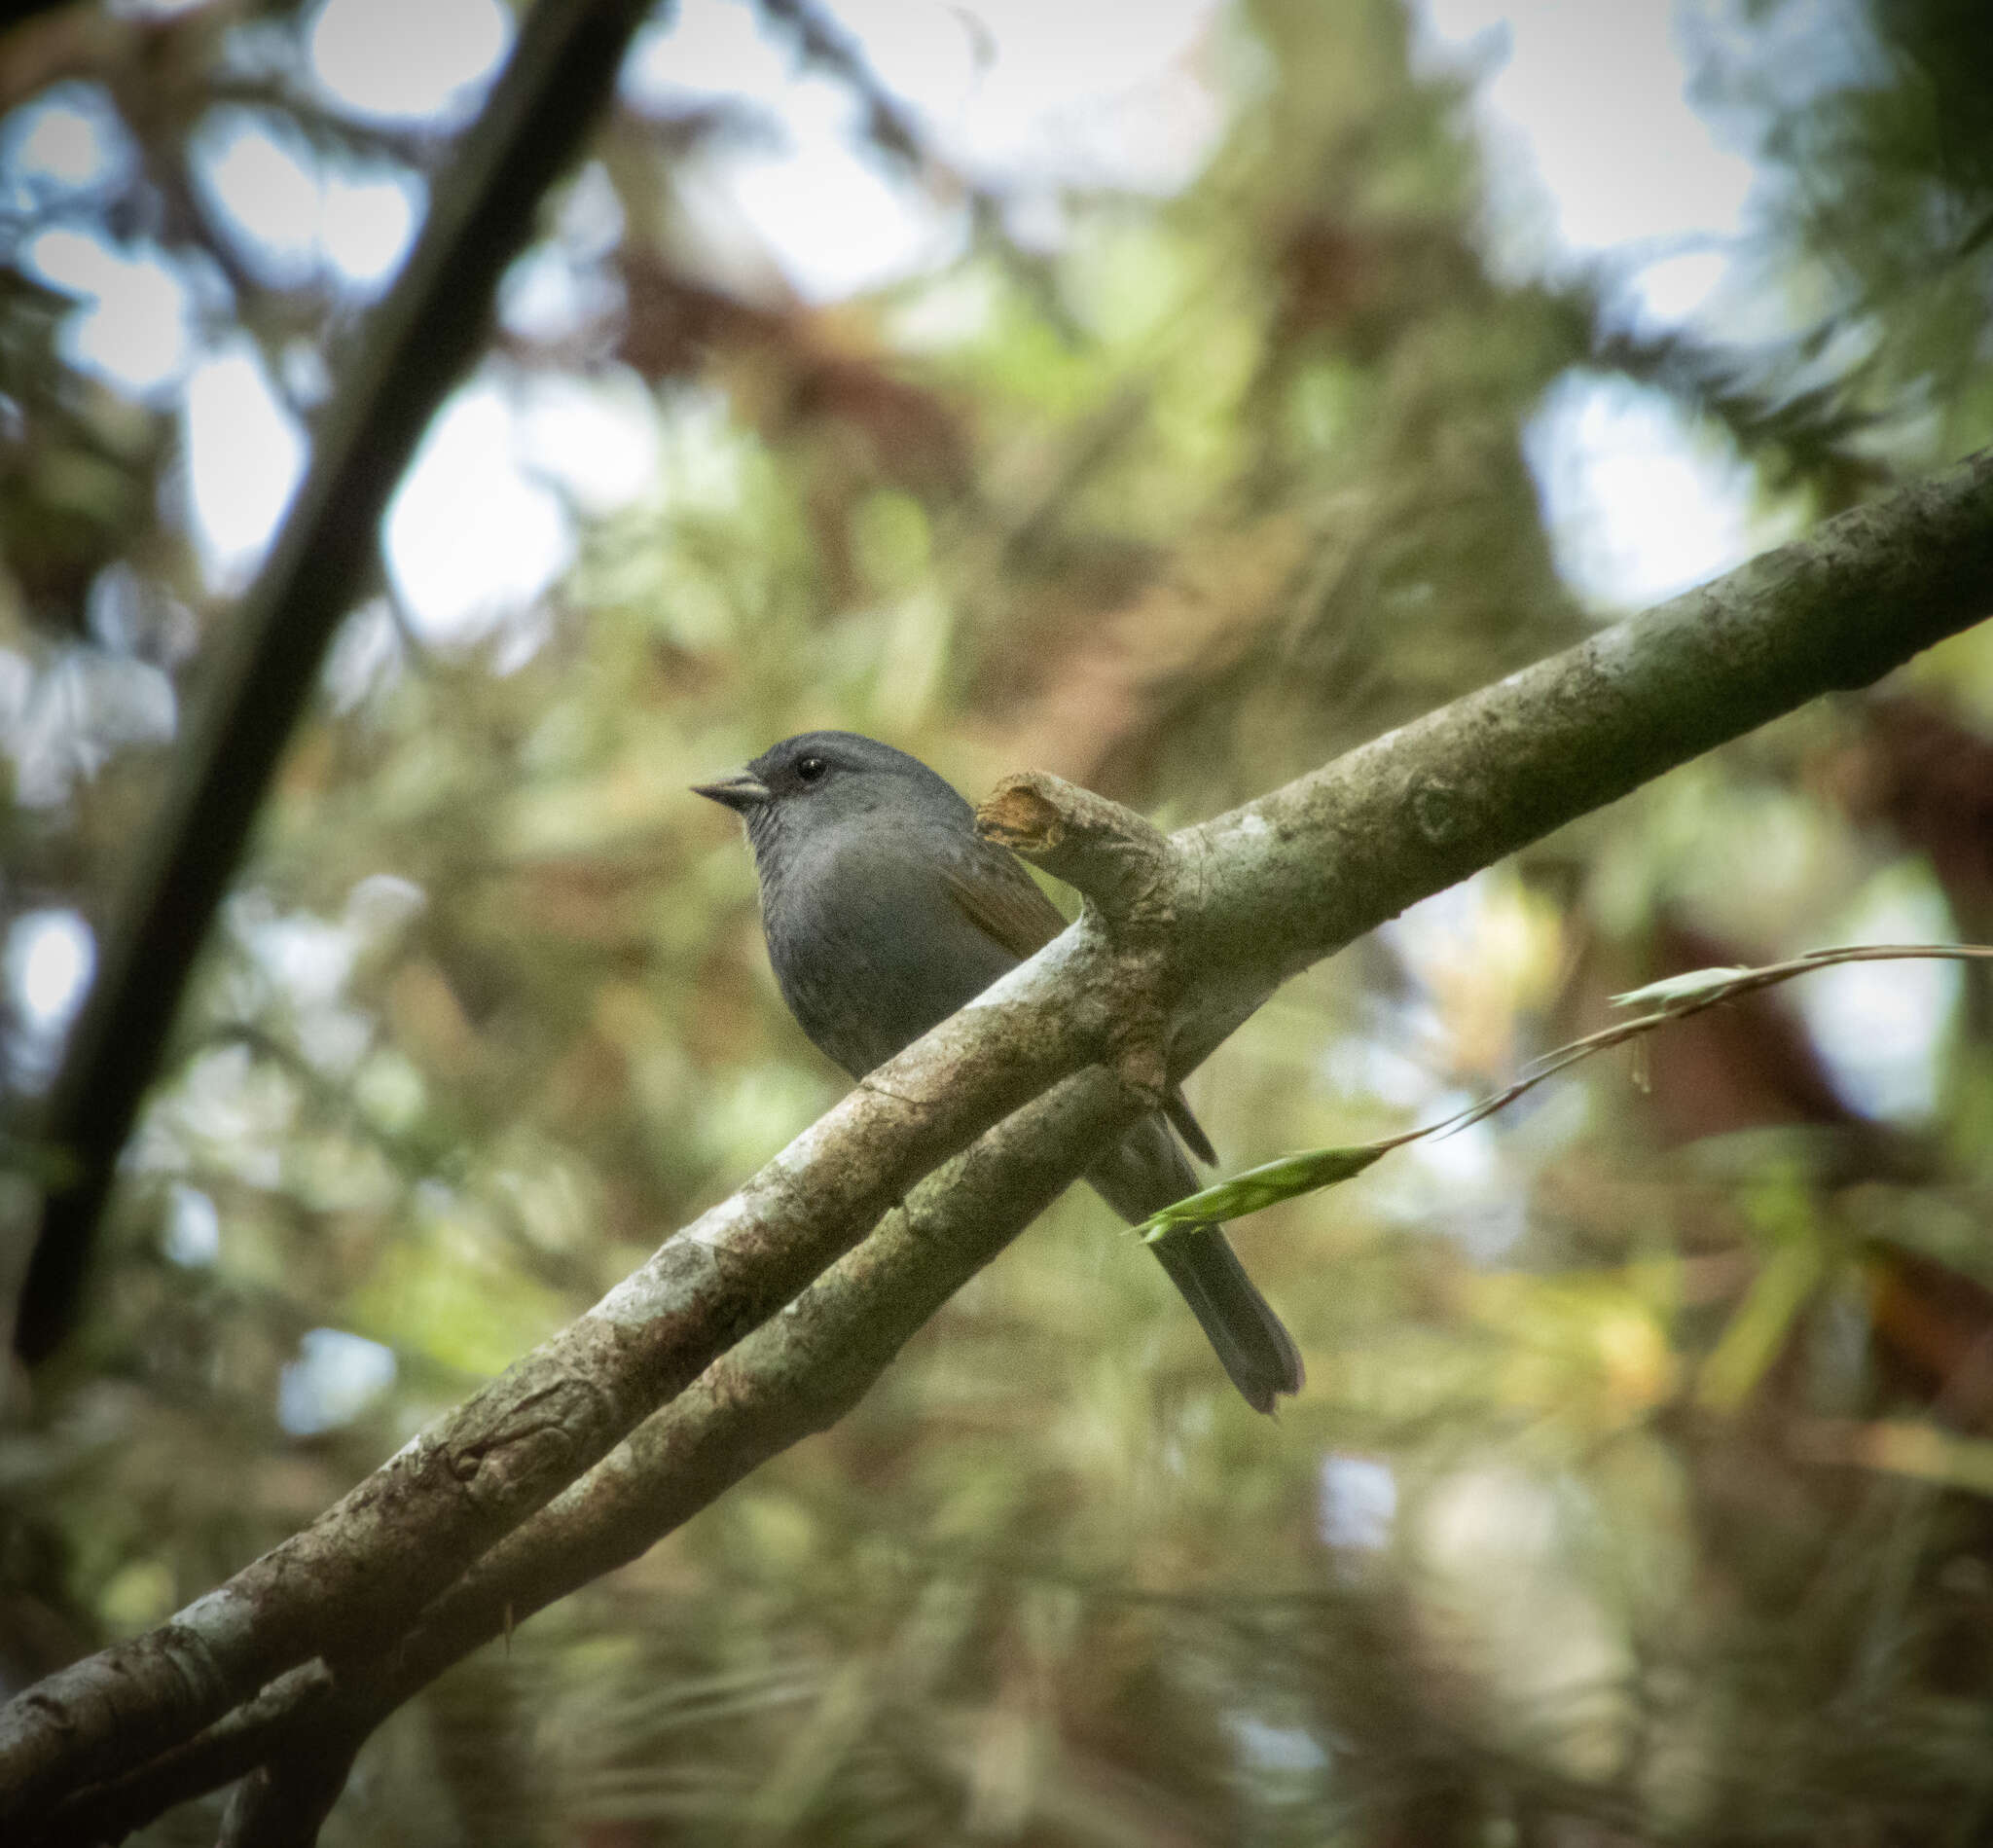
(1293, 1176)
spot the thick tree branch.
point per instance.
(1250, 898)
(797, 1374)
(1283, 879)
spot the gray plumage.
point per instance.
(884, 912)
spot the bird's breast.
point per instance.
(869, 947)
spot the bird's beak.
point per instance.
(739, 792)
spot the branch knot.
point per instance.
(1126, 868)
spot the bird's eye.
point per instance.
(811, 768)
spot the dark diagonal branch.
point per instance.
(1225, 912)
(414, 345)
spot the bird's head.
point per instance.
(817, 780)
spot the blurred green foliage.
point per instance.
(1638, 1489)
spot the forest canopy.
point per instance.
(1214, 420)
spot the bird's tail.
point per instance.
(1251, 1341)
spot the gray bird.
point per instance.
(884, 912)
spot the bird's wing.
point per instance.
(997, 895)
(1004, 902)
